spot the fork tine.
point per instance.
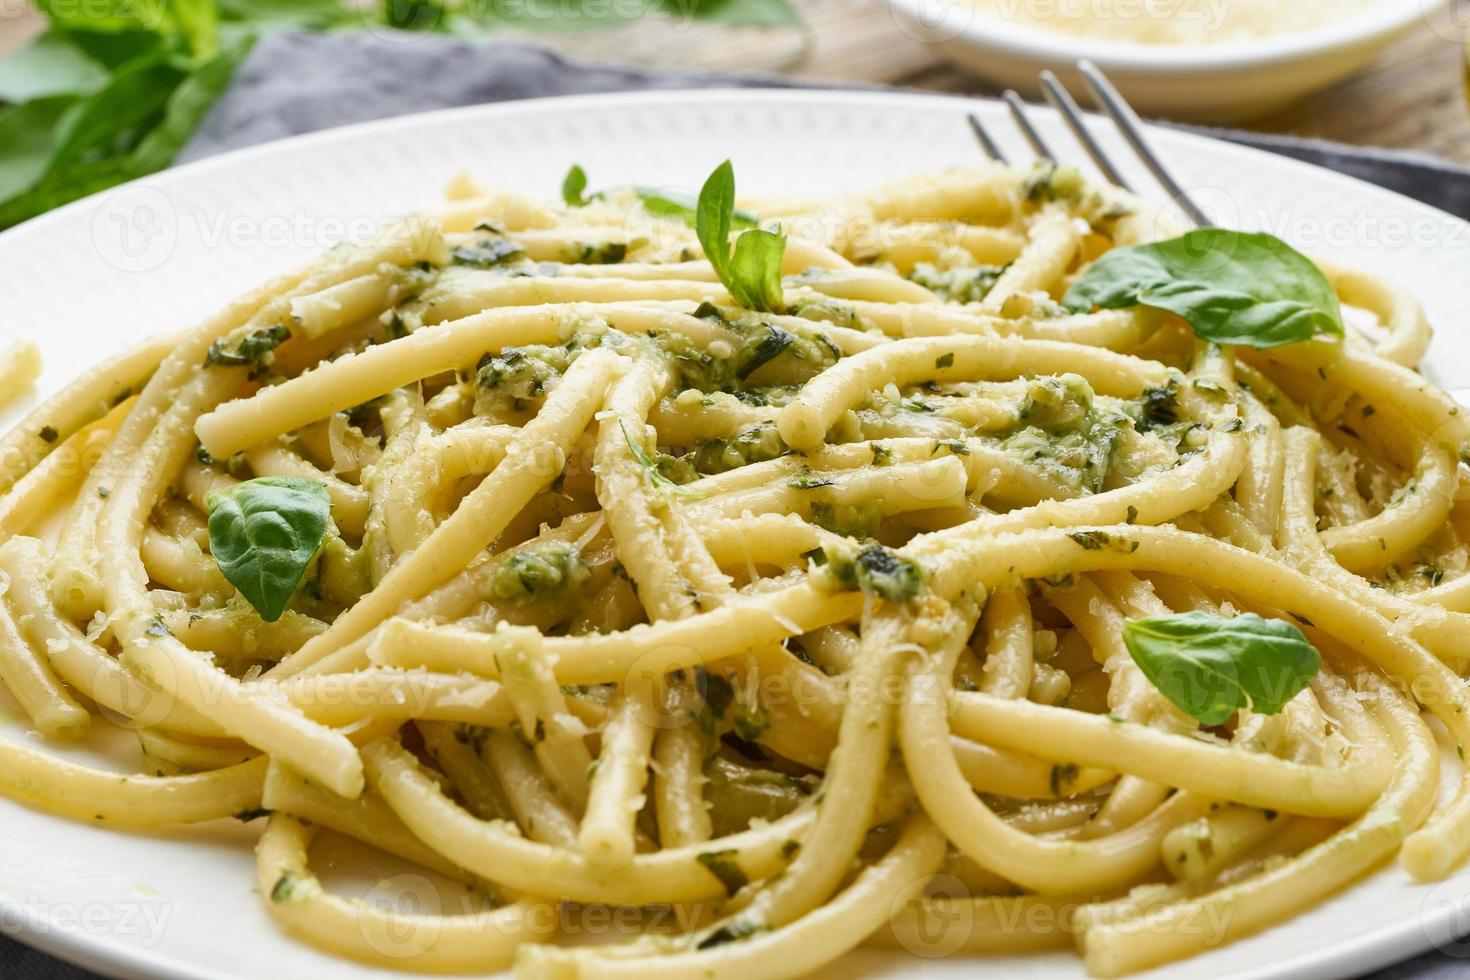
(986, 143)
(1071, 113)
(1023, 122)
(1131, 127)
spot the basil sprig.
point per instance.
(263, 534)
(1210, 667)
(1232, 287)
(752, 273)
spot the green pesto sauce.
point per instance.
(542, 571)
(757, 444)
(959, 284)
(874, 570)
(755, 345)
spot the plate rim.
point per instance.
(1392, 943)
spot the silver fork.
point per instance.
(1117, 109)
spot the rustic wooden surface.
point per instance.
(1413, 97)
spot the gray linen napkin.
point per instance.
(294, 84)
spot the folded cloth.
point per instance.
(294, 84)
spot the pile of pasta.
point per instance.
(778, 633)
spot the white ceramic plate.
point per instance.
(1223, 82)
(89, 279)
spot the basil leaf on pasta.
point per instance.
(574, 188)
(1210, 666)
(263, 534)
(755, 269)
(753, 273)
(1232, 287)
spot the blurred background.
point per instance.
(94, 92)
(1412, 95)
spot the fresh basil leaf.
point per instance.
(189, 103)
(192, 23)
(422, 16)
(27, 140)
(713, 212)
(755, 269)
(263, 534)
(309, 15)
(49, 65)
(93, 138)
(105, 15)
(119, 114)
(57, 189)
(1232, 287)
(753, 273)
(113, 49)
(685, 207)
(1211, 667)
(574, 187)
(133, 126)
(197, 22)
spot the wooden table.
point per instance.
(1412, 98)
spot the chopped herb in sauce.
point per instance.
(725, 866)
(879, 572)
(255, 350)
(729, 933)
(487, 253)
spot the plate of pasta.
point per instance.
(732, 534)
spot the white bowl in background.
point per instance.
(1218, 82)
